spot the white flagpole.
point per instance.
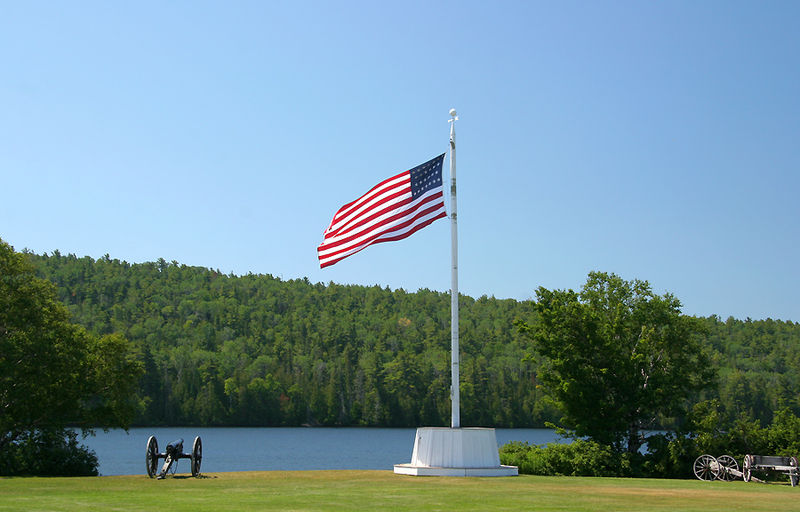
(454, 451)
(455, 421)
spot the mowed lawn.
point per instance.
(383, 490)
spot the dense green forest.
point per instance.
(257, 350)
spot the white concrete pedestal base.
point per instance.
(440, 451)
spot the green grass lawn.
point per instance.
(383, 490)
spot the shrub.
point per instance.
(53, 452)
(669, 455)
(672, 455)
(579, 458)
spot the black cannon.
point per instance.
(173, 453)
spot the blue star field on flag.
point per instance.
(426, 176)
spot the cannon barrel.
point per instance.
(175, 448)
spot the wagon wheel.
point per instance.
(746, 467)
(197, 455)
(706, 468)
(793, 475)
(151, 456)
(726, 463)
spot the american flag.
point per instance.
(391, 210)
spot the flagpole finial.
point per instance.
(453, 114)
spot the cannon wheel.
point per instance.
(727, 462)
(151, 456)
(746, 466)
(793, 478)
(706, 468)
(197, 455)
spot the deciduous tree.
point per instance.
(616, 357)
(53, 372)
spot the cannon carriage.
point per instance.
(725, 467)
(173, 453)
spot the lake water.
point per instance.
(265, 449)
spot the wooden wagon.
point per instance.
(770, 463)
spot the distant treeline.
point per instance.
(256, 350)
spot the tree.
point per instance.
(616, 357)
(53, 372)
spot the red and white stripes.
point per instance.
(386, 213)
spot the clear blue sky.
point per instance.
(655, 140)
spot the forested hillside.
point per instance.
(759, 365)
(256, 350)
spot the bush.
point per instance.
(669, 455)
(672, 455)
(579, 458)
(48, 453)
